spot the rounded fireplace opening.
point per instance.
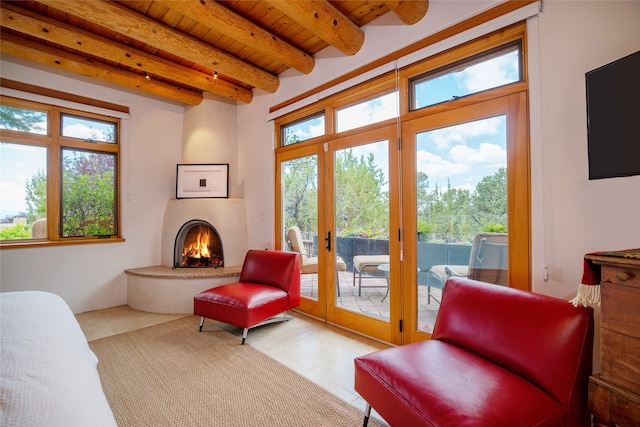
(198, 245)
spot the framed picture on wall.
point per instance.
(202, 181)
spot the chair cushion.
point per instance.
(369, 262)
(240, 304)
(434, 383)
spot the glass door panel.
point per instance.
(299, 178)
(461, 202)
(362, 228)
(362, 196)
(466, 199)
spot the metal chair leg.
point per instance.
(244, 334)
(367, 414)
(201, 323)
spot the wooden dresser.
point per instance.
(614, 393)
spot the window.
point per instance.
(365, 113)
(59, 174)
(488, 70)
(303, 129)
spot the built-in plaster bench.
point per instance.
(367, 264)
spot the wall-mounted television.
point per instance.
(613, 118)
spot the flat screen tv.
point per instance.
(613, 118)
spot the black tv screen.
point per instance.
(613, 118)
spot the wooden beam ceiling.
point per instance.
(180, 45)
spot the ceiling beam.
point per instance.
(37, 52)
(213, 15)
(137, 26)
(409, 11)
(324, 20)
(41, 27)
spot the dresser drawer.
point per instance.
(621, 360)
(621, 308)
(612, 405)
(621, 276)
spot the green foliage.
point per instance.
(22, 120)
(18, 231)
(301, 193)
(494, 228)
(36, 188)
(88, 204)
(88, 196)
(452, 215)
(456, 215)
(360, 202)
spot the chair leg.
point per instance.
(201, 323)
(244, 334)
(367, 414)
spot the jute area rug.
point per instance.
(171, 375)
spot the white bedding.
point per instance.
(48, 374)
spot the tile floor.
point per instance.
(322, 353)
(373, 299)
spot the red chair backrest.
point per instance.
(274, 268)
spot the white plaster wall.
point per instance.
(573, 215)
(90, 277)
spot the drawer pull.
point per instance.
(623, 276)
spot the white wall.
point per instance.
(91, 277)
(572, 215)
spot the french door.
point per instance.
(338, 195)
(467, 167)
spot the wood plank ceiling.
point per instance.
(180, 49)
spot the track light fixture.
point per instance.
(147, 76)
(215, 75)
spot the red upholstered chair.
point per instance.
(269, 285)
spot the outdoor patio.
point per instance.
(371, 301)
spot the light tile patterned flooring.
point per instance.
(320, 352)
(372, 300)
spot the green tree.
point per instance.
(36, 198)
(360, 202)
(88, 196)
(22, 120)
(490, 200)
(301, 193)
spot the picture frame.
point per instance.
(203, 181)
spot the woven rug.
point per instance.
(171, 375)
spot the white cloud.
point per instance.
(489, 74)
(373, 111)
(445, 137)
(487, 154)
(436, 167)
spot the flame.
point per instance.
(200, 248)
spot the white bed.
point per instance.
(48, 374)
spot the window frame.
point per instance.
(55, 143)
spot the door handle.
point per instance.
(328, 239)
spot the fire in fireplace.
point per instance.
(198, 244)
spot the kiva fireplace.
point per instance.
(198, 244)
(191, 228)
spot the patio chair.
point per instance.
(309, 264)
(488, 262)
